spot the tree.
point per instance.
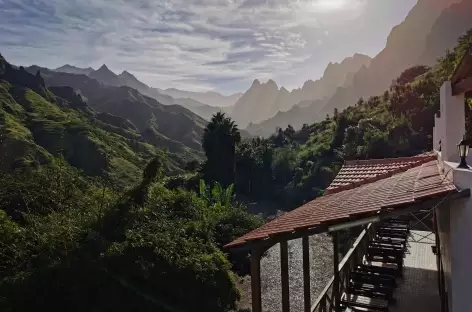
(245, 163)
(386, 96)
(360, 102)
(335, 113)
(219, 142)
(289, 132)
(411, 74)
(153, 171)
(192, 166)
(279, 137)
(341, 125)
(302, 135)
(254, 167)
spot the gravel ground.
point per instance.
(321, 254)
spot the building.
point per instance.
(377, 195)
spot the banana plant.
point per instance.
(217, 195)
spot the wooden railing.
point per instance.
(326, 300)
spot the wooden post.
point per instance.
(284, 276)
(256, 280)
(336, 294)
(306, 274)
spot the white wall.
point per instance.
(455, 221)
(451, 124)
(461, 255)
(455, 234)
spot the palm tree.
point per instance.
(219, 142)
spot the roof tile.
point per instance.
(358, 172)
(419, 180)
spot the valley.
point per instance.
(119, 195)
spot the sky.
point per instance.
(198, 45)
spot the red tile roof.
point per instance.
(358, 172)
(400, 189)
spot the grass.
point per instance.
(7, 102)
(123, 172)
(38, 106)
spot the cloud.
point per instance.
(336, 5)
(194, 44)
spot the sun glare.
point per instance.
(329, 5)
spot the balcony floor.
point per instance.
(418, 290)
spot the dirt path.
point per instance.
(321, 271)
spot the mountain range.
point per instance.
(74, 70)
(264, 100)
(429, 29)
(102, 130)
(210, 98)
(171, 126)
(204, 104)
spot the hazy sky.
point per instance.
(199, 45)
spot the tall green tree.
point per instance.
(219, 142)
(254, 167)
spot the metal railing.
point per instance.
(325, 301)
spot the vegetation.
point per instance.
(64, 239)
(219, 141)
(75, 236)
(89, 221)
(296, 166)
(38, 124)
(130, 113)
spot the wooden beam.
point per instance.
(306, 274)
(284, 276)
(265, 244)
(425, 205)
(336, 294)
(256, 280)
(385, 213)
(462, 86)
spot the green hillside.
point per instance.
(170, 126)
(37, 124)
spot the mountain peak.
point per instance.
(272, 84)
(360, 55)
(105, 70)
(256, 82)
(71, 69)
(308, 84)
(128, 79)
(104, 67)
(105, 75)
(357, 58)
(127, 74)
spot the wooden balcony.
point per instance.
(417, 289)
(354, 256)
